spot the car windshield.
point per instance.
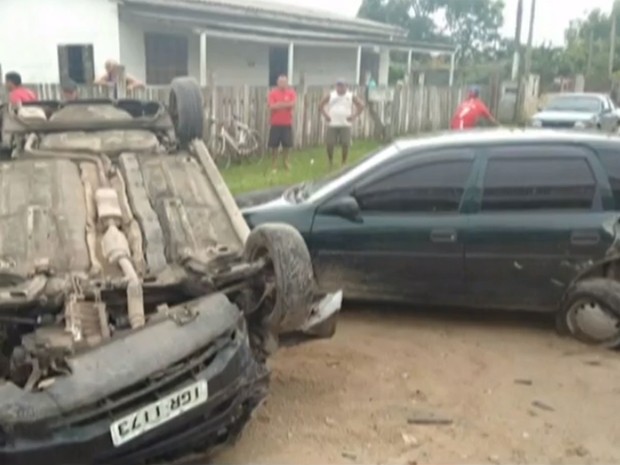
(582, 104)
(319, 188)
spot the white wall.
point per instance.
(33, 29)
(324, 65)
(237, 63)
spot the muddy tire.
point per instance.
(288, 271)
(591, 313)
(186, 109)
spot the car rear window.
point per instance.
(541, 183)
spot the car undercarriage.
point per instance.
(128, 276)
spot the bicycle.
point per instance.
(234, 141)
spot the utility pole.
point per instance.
(517, 54)
(612, 37)
(530, 40)
(590, 52)
(524, 79)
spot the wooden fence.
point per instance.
(413, 109)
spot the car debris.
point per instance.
(137, 310)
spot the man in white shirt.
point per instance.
(340, 108)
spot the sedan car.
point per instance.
(577, 111)
(501, 219)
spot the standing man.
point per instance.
(470, 112)
(340, 108)
(17, 92)
(281, 103)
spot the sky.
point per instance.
(552, 16)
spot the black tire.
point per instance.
(289, 269)
(186, 109)
(601, 292)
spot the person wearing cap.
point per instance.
(69, 90)
(340, 108)
(470, 112)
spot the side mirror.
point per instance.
(345, 207)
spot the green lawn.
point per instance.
(306, 164)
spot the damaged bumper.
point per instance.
(186, 382)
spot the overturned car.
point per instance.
(137, 311)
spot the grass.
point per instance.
(306, 165)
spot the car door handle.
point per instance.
(443, 235)
(585, 238)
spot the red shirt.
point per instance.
(282, 116)
(22, 95)
(468, 113)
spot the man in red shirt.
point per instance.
(469, 112)
(281, 102)
(17, 92)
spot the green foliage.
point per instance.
(473, 25)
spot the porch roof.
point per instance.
(267, 22)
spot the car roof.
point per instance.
(500, 136)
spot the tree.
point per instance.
(473, 25)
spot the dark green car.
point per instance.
(499, 219)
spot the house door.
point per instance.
(278, 63)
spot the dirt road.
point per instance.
(504, 389)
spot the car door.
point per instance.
(539, 219)
(406, 243)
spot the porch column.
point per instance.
(452, 65)
(358, 70)
(384, 66)
(291, 62)
(204, 73)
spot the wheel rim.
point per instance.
(591, 322)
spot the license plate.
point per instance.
(156, 414)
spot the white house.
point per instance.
(234, 41)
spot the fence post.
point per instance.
(121, 83)
(300, 113)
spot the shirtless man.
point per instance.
(111, 77)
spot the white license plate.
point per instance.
(156, 414)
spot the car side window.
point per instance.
(538, 183)
(434, 187)
(611, 162)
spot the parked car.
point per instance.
(578, 111)
(137, 310)
(505, 219)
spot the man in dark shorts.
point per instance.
(340, 108)
(281, 102)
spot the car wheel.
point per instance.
(287, 280)
(186, 109)
(591, 312)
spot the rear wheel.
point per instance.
(591, 312)
(186, 109)
(287, 281)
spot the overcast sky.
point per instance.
(552, 16)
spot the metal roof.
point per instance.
(265, 18)
(264, 10)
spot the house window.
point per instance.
(76, 62)
(166, 57)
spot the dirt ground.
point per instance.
(495, 388)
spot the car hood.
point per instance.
(563, 116)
